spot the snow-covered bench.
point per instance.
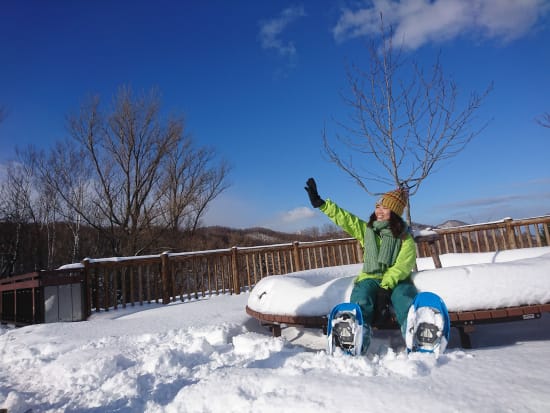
(477, 288)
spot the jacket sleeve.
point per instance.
(403, 265)
(350, 223)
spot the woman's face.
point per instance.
(382, 213)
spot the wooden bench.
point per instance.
(463, 321)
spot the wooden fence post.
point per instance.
(235, 271)
(14, 304)
(359, 251)
(165, 263)
(296, 255)
(427, 244)
(510, 233)
(106, 295)
(86, 286)
(123, 289)
(432, 243)
(116, 273)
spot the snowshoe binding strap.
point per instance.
(344, 335)
(427, 335)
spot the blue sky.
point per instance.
(259, 80)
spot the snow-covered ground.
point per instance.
(210, 356)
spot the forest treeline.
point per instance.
(26, 247)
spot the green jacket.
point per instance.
(356, 227)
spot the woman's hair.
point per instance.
(397, 225)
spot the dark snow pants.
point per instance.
(364, 294)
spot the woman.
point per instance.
(389, 254)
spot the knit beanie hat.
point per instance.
(394, 200)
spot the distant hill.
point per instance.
(418, 227)
(219, 237)
(452, 223)
(216, 237)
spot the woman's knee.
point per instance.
(402, 298)
(364, 290)
(405, 289)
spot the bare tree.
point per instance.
(16, 208)
(30, 202)
(44, 201)
(404, 120)
(63, 178)
(124, 167)
(544, 120)
(16, 193)
(190, 184)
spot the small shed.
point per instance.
(43, 297)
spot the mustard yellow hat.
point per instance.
(394, 200)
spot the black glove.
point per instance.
(314, 197)
(382, 312)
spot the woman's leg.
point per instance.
(402, 297)
(364, 294)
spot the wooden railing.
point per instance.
(111, 283)
(495, 236)
(191, 275)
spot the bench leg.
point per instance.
(464, 333)
(275, 330)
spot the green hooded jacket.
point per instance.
(356, 227)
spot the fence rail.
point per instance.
(191, 275)
(495, 236)
(111, 283)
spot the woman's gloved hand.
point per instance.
(314, 198)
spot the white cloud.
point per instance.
(509, 19)
(417, 22)
(271, 31)
(297, 214)
(231, 210)
(294, 220)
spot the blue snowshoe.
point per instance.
(428, 324)
(345, 329)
